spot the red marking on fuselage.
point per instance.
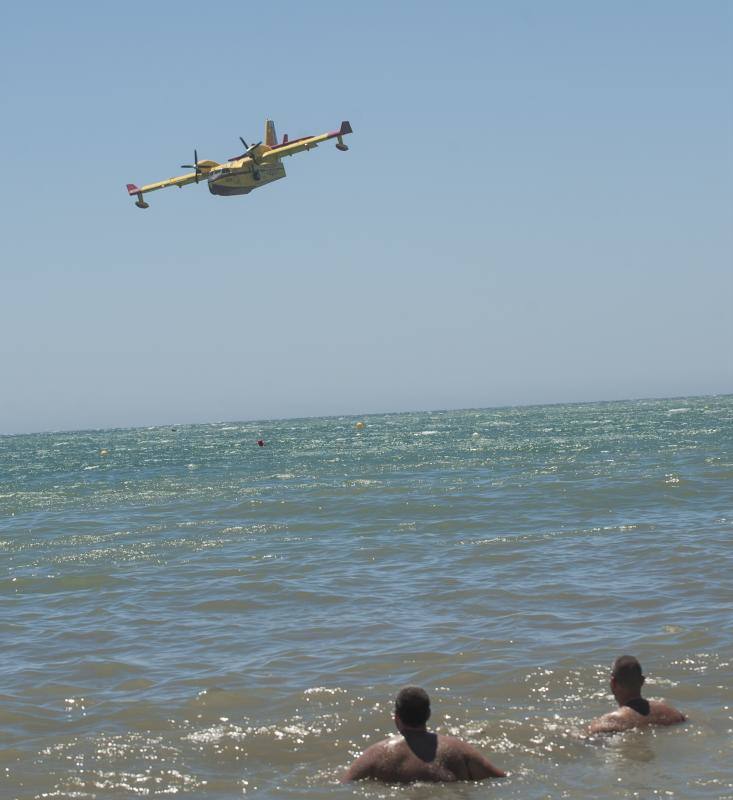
(285, 142)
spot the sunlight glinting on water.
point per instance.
(187, 613)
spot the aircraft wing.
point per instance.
(306, 143)
(181, 180)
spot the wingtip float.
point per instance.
(258, 165)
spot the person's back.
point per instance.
(417, 754)
(626, 717)
(634, 711)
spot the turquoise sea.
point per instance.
(187, 614)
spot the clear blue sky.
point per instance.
(536, 207)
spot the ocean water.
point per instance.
(192, 615)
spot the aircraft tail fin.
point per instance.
(270, 135)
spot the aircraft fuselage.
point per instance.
(240, 177)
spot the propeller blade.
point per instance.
(194, 166)
(247, 150)
(250, 151)
(244, 154)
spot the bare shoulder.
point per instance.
(474, 765)
(625, 718)
(451, 742)
(453, 746)
(664, 714)
(364, 766)
(613, 722)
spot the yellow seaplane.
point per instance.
(259, 164)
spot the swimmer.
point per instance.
(417, 754)
(634, 711)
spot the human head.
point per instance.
(626, 676)
(412, 707)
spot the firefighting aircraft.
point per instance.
(259, 164)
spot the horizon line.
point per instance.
(365, 414)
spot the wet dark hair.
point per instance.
(627, 671)
(412, 705)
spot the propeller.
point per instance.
(249, 151)
(195, 166)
